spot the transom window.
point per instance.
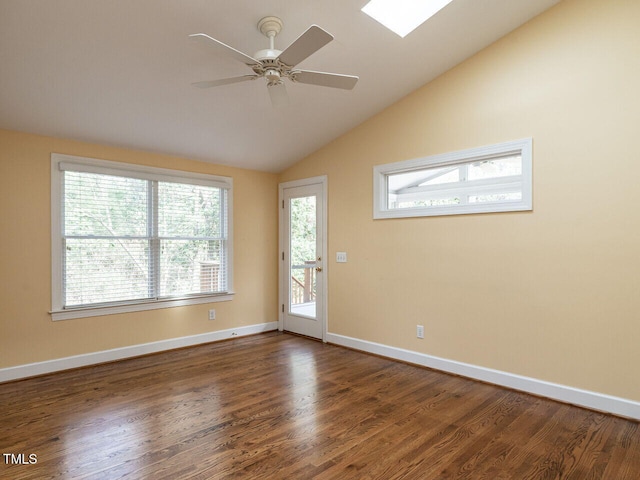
(487, 179)
(126, 236)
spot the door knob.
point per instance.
(318, 269)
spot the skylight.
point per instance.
(403, 16)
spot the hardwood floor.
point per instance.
(277, 406)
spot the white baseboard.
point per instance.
(593, 400)
(562, 393)
(40, 368)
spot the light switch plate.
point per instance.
(341, 257)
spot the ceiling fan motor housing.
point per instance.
(267, 54)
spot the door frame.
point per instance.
(283, 291)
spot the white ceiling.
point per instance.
(118, 72)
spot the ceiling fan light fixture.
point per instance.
(403, 16)
(272, 75)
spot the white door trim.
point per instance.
(282, 291)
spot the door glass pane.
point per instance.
(302, 291)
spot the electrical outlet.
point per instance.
(212, 314)
(420, 331)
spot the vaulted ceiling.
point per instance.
(119, 72)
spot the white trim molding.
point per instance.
(414, 173)
(138, 307)
(575, 396)
(94, 358)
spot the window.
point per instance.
(127, 238)
(496, 178)
(403, 16)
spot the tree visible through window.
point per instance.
(496, 178)
(131, 238)
(491, 180)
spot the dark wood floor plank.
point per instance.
(277, 406)
(505, 451)
(625, 459)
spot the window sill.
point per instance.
(453, 210)
(83, 312)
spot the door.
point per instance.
(302, 275)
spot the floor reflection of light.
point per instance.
(117, 437)
(304, 394)
(101, 439)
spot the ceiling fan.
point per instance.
(276, 65)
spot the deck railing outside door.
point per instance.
(303, 286)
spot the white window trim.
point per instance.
(521, 147)
(105, 166)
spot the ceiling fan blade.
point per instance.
(224, 81)
(278, 94)
(333, 80)
(224, 48)
(309, 42)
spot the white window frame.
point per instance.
(58, 312)
(521, 147)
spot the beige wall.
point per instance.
(553, 294)
(27, 333)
